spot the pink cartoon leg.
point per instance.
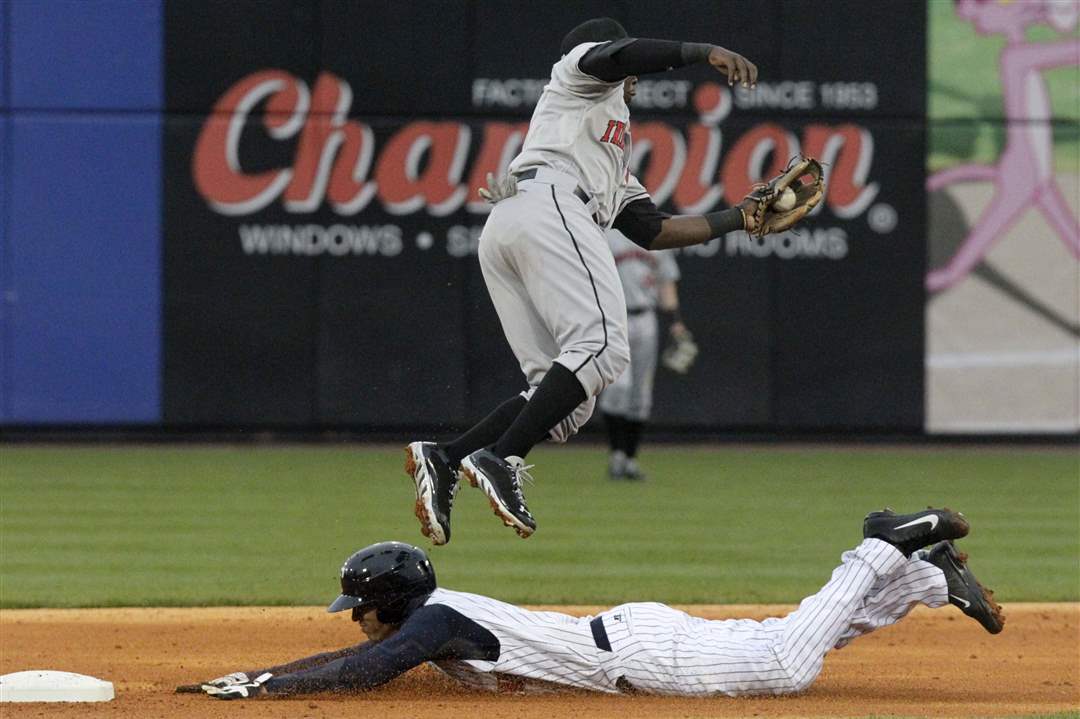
(1003, 210)
(1060, 216)
(961, 173)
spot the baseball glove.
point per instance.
(769, 208)
(680, 353)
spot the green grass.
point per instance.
(168, 525)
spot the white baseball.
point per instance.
(785, 201)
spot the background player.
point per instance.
(549, 272)
(649, 281)
(648, 647)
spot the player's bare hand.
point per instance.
(748, 207)
(737, 68)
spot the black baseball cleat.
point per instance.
(965, 592)
(436, 484)
(500, 479)
(909, 532)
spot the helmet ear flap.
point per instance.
(392, 614)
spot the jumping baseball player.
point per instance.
(649, 283)
(549, 271)
(644, 647)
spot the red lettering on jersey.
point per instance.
(607, 133)
(614, 133)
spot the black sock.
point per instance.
(614, 424)
(555, 398)
(633, 436)
(486, 431)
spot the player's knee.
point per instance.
(802, 677)
(570, 425)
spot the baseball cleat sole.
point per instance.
(424, 510)
(966, 592)
(995, 621)
(501, 511)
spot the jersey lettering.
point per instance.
(614, 133)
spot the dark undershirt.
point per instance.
(641, 221)
(616, 60)
(430, 633)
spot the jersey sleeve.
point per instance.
(432, 632)
(568, 75)
(638, 217)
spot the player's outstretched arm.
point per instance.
(430, 633)
(686, 230)
(652, 229)
(616, 60)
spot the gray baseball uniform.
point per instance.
(546, 264)
(641, 273)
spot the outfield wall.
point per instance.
(263, 214)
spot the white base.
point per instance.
(42, 685)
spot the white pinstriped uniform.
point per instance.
(661, 650)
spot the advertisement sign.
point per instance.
(1003, 319)
(320, 247)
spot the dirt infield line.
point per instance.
(936, 663)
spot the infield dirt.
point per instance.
(935, 664)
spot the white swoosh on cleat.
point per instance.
(931, 518)
(965, 602)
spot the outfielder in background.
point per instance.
(639, 647)
(650, 283)
(549, 272)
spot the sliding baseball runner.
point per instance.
(638, 647)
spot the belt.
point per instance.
(635, 311)
(531, 174)
(599, 634)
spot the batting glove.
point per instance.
(229, 679)
(243, 690)
(498, 189)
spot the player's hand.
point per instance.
(498, 188)
(242, 690)
(681, 351)
(229, 679)
(737, 68)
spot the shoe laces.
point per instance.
(522, 473)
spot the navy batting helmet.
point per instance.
(387, 577)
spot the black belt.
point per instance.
(531, 173)
(635, 311)
(600, 638)
(599, 634)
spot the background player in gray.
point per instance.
(549, 271)
(645, 647)
(649, 281)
